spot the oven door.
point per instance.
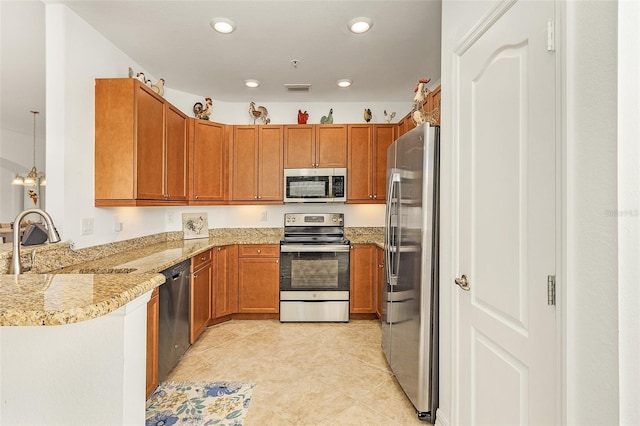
(314, 267)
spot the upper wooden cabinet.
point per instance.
(209, 157)
(140, 146)
(257, 163)
(315, 145)
(366, 170)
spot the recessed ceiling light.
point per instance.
(223, 25)
(252, 83)
(344, 83)
(359, 25)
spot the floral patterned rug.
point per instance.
(216, 403)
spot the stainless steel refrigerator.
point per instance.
(410, 308)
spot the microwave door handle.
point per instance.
(330, 181)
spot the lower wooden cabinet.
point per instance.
(224, 300)
(152, 342)
(362, 298)
(201, 275)
(258, 279)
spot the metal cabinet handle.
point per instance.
(277, 260)
(463, 283)
(375, 196)
(259, 197)
(203, 258)
(218, 248)
(195, 276)
(196, 197)
(259, 251)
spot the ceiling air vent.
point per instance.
(297, 87)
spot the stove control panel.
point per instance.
(308, 219)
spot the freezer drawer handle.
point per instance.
(463, 283)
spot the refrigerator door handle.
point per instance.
(391, 249)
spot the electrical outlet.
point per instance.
(87, 226)
(170, 217)
(263, 216)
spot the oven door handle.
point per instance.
(313, 248)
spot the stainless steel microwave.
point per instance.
(320, 185)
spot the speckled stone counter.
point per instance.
(50, 299)
(365, 235)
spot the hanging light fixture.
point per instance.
(34, 176)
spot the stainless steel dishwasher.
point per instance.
(173, 332)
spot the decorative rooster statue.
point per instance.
(258, 113)
(327, 119)
(158, 87)
(203, 112)
(302, 117)
(389, 116)
(367, 115)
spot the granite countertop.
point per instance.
(94, 288)
(101, 279)
(56, 299)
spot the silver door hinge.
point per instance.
(551, 36)
(551, 290)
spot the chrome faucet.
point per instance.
(16, 263)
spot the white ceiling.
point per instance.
(173, 40)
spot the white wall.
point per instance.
(591, 232)
(76, 55)
(21, 91)
(629, 205)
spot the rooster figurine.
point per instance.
(203, 112)
(258, 113)
(158, 87)
(367, 115)
(302, 117)
(327, 119)
(389, 116)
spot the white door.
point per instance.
(507, 219)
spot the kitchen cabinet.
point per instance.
(140, 146)
(379, 280)
(257, 165)
(152, 342)
(315, 145)
(209, 160)
(258, 278)
(224, 299)
(362, 299)
(201, 279)
(367, 161)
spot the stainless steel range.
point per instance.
(314, 268)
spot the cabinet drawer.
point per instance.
(259, 250)
(200, 259)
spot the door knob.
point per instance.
(463, 283)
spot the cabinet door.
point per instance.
(299, 146)
(208, 160)
(270, 163)
(435, 96)
(362, 267)
(245, 163)
(331, 145)
(225, 301)
(383, 137)
(200, 301)
(408, 123)
(359, 168)
(176, 158)
(258, 285)
(152, 342)
(150, 152)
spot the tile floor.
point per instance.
(305, 373)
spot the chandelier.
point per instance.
(34, 177)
